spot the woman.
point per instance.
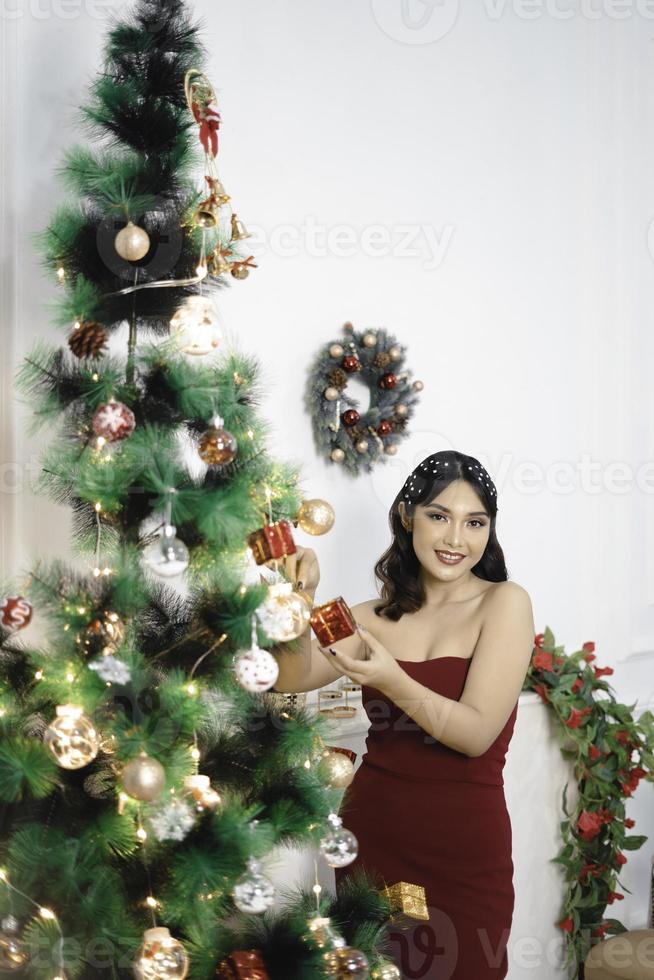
(427, 803)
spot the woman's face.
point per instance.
(454, 521)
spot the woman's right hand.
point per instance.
(302, 569)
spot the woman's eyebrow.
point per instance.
(472, 513)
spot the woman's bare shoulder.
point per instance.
(506, 592)
(365, 611)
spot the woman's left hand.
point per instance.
(380, 670)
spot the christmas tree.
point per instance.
(145, 773)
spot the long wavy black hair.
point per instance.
(398, 567)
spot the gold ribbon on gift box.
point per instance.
(407, 899)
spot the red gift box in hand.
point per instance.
(332, 621)
(272, 541)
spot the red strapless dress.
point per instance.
(429, 815)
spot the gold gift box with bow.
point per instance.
(407, 899)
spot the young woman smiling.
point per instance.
(442, 659)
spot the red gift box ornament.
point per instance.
(332, 621)
(272, 541)
(242, 964)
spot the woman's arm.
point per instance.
(493, 685)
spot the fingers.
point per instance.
(341, 660)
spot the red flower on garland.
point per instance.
(600, 671)
(633, 778)
(620, 858)
(588, 870)
(576, 717)
(543, 660)
(594, 753)
(538, 640)
(601, 930)
(589, 824)
(622, 736)
(578, 684)
(628, 822)
(567, 925)
(588, 646)
(614, 896)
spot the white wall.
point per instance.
(516, 135)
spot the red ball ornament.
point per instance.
(350, 417)
(388, 380)
(114, 421)
(350, 363)
(384, 428)
(15, 612)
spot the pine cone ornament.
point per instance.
(337, 378)
(382, 360)
(355, 432)
(398, 425)
(88, 340)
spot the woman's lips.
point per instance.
(442, 557)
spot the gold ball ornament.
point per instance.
(160, 957)
(104, 634)
(418, 385)
(217, 446)
(346, 962)
(331, 394)
(337, 454)
(336, 769)
(13, 954)
(336, 350)
(143, 778)
(316, 516)
(361, 445)
(385, 971)
(390, 449)
(71, 737)
(369, 339)
(395, 352)
(132, 242)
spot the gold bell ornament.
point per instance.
(207, 214)
(132, 242)
(71, 737)
(239, 231)
(197, 325)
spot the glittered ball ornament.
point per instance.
(387, 381)
(345, 962)
(350, 417)
(385, 971)
(167, 555)
(339, 846)
(160, 957)
(336, 769)
(256, 669)
(351, 363)
(284, 614)
(143, 778)
(15, 612)
(196, 326)
(132, 242)
(13, 951)
(217, 446)
(253, 892)
(316, 516)
(113, 421)
(71, 737)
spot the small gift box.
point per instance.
(242, 964)
(407, 899)
(272, 541)
(332, 621)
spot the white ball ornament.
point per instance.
(256, 669)
(361, 445)
(390, 449)
(337, 454)
(339, 846)
(253, 892)
(395, 353)
(196, 326)
(331, 394)
(369, 339)
(336, 350)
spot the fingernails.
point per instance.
(331, 650)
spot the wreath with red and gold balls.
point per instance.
(347, 437)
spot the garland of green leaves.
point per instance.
(342, 434)
(599, 735)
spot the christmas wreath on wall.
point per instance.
(348, 437)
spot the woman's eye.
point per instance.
(474, 520)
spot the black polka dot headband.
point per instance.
(415, 483)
